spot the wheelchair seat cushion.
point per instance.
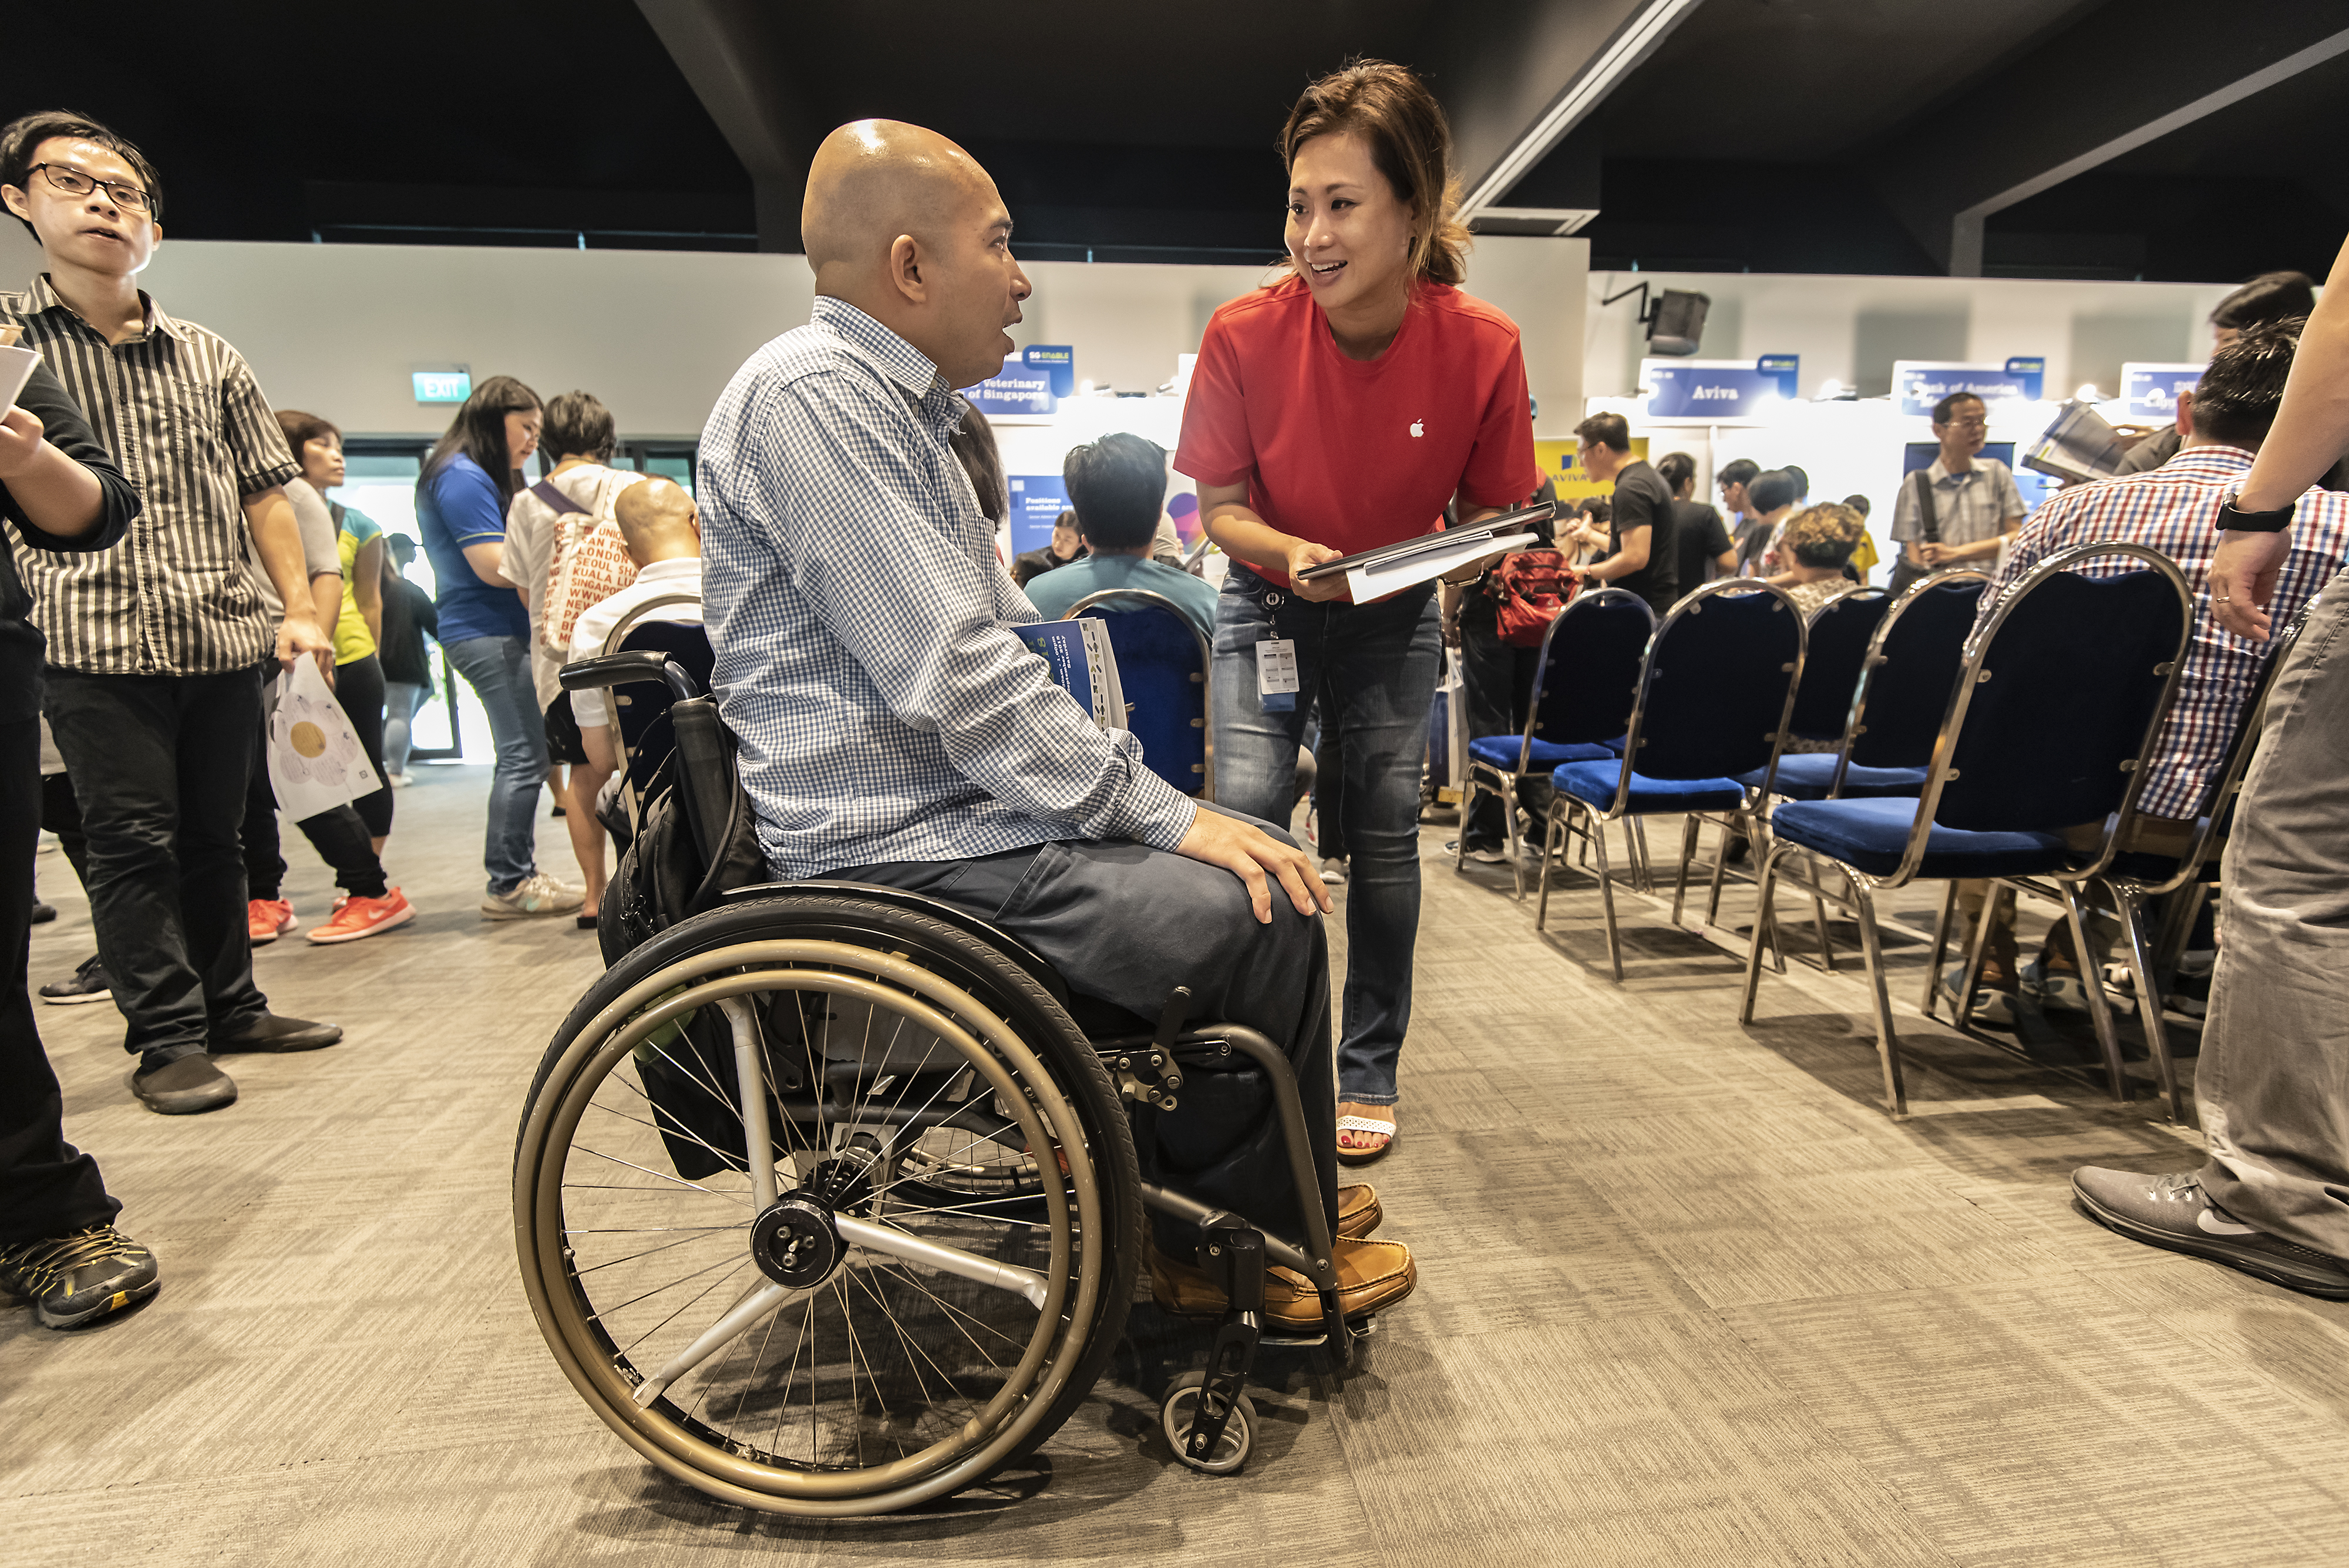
(1501, 751)
(1870, 836)
(1593, 784)
(1807, 775)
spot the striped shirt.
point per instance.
(2174, 510)
(183, 415)
(885, 709)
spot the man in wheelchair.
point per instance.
(893, 731)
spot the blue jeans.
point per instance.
(498, 670)
(400, 701)
(1372, 669)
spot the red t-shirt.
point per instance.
(1355, 453)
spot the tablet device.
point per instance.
(1447, 539)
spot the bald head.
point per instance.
(906, 225)
(657, 522)
(874, 180)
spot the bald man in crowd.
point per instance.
(663, 534)
(894, 730)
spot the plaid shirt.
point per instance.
(2175, 509)
(862, 622)
(179, 410)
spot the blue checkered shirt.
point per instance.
(2175, 509)
(861, 620)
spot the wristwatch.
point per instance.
(2238, 522)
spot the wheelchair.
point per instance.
(825, 1200)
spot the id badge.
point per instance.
(1275, 675)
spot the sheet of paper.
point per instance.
(1375, 582)
(15, 368)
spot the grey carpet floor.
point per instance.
(1687, 1295)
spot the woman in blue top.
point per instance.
(461, 509)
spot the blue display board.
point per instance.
(1716, 391)
(1033, 381)
(1037, 502)
(2151, 391)
(1919, 384)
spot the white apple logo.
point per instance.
(1419, 427)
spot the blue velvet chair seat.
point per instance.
(1593, 784)
(1870, 834)
(1806, 775)
(1501, 751)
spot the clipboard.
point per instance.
(1391, 556)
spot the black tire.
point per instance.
(967, 982)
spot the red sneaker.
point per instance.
(266, 919)
(364, 916)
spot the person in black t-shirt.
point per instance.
(1642, 554)
(59, 492)
(1699, 535)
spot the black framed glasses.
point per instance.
(74, 183)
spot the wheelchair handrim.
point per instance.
(596, 1050)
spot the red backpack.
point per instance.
(1530, 590)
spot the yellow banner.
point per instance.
(1573, 480)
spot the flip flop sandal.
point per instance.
(1365, 1124)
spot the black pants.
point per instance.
(340, 836)
(1498, 681)
(61, 814)
(1127, 924)
(359, 688)
(160, 765)
(48, 1188)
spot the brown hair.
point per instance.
(301, 429)
(1823, 535)
(1409, 140)
(577, 425)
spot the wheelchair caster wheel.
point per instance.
(1182, 1404)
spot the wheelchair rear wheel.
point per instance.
(826, 1206)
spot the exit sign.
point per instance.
(442, 386)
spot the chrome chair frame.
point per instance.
(1505, 784)
(1865, 886)
(1565, 807)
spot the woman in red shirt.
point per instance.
(1345, 407)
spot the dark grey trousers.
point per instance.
(1126, 924)
(2273, 1083)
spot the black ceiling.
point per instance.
(1762, 135)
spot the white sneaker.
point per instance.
(537, 893)
(1333, 872)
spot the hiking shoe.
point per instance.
(76, 1279)
(2174, 1211)
(1995, 1005)
(271, 1032)
(537, 893)
(355, 918)
(88, 984)
(186, 1087)
(266, 919)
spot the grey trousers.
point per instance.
(2273, 1082)
(1126, 924)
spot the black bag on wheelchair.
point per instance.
(663, 877)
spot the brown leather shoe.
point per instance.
(1358, 1210)
(1370, 1275)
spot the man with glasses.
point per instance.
(1973, 503)
(157, 646)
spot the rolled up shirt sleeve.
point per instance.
(927, 622)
